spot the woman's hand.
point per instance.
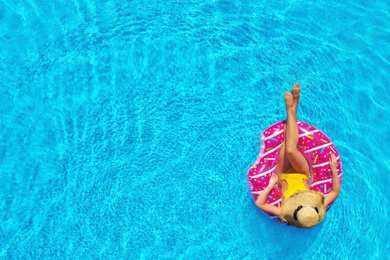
(274, 179)
(333, 163)
(261, 200)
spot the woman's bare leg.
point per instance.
(297, 160)
(283, 162)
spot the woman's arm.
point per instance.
(331, 196)
(260, 202)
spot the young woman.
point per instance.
(301, 207)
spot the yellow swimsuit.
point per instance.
(295, 183)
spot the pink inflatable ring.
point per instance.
(313, 144)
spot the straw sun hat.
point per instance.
(304, 209)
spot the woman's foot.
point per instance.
(295, 93)
(289, 100)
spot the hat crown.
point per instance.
(308, 216)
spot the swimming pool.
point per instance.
(127, 128)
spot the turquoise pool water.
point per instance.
(127, 128)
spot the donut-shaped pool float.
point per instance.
(313, 144)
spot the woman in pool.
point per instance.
(301, 207)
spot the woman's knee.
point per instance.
(290, 150)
